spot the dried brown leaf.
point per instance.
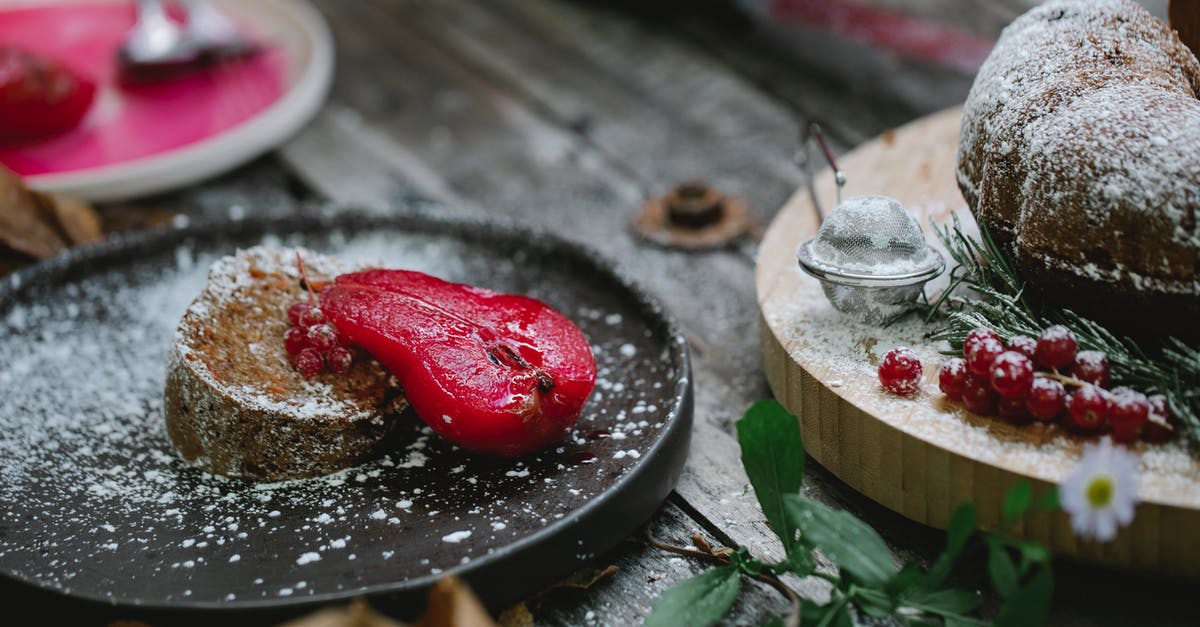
(357, 614)
(23, 226)
(700, 543)
(516, 616)
(75, 218)
(452, 604)
(583, 579)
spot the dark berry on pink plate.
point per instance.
(1023, 344)
(1091, 367)
(1129, 410)
(952, 377)
(981, 356)
(978, 396)
(339, 359)
(296, 312)
(309, 363)
(1055, 348)
(1087, 408)
(976, 336)
(1012, 409)
(1161, 424)
(321, 337)
(1011, 374)
(1046, 399)
(295, 340)
(900, 371)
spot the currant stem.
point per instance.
(1062, 378)
(304, 277)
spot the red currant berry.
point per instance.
(1055, 348)
(1087, 408)
(339, 359)
(295, 340)
(983, 353)
(1091, 367)
(296, 312)
(1046, 399)
(1011, 374)
(978, 396)
(952, 376)
(900, 371)
(321, 337)
(1023, 344)
(1012, 409)
(976, 336)
(309, 363)
(312, 316)
(1129, 411)
(1161, 424)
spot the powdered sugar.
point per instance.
(839, 350)
(1086, 120)
(90, 485)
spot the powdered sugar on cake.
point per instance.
(1087, 113)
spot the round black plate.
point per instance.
(95, 504)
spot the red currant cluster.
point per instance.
(312, 342)
(1026, 379)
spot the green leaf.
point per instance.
(701, 600)
(1017, 501)
(958, 532)
(1001, 569)
(1029, 605)
(950, 601)
(832, 614)
(907, 579)
(1033, 553)
(773, 456)
(848, 541)
(1049, 499)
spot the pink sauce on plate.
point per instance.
(128, 123)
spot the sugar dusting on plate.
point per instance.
(92, 487)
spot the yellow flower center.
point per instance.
(1100, 491)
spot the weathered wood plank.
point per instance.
(510, 161)
(665, 112)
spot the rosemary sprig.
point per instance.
(985, 291)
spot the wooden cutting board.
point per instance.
(922, 456)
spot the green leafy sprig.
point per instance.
(995, 299)
(868, 580)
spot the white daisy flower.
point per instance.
(1101, 492)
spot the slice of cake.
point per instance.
(235, 405)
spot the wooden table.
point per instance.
(570, 115)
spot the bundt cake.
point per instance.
(234, 403)
(1080, 152)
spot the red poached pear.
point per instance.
(501, 374)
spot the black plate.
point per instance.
(96, 505)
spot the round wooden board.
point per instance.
(922, 456)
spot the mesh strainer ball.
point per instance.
(871, 258)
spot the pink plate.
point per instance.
(139, 139)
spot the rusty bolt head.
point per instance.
(694, 215)
(694, 205)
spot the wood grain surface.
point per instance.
(569, 114)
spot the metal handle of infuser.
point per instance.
(809, 135)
